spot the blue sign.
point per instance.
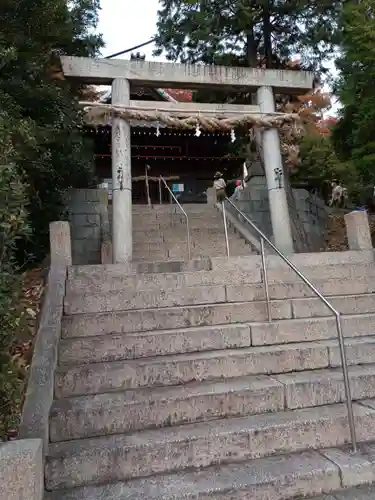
(177, 188)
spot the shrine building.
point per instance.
(186, 161)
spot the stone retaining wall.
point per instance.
(310, 210)
(88, 216)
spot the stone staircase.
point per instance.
(157, 235)
(172, 385)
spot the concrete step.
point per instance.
(161, 246)
(296, 289)
(190, 208)
(238, 248)
(175, 239)
(207, 365)
(167, 259)
(167, 318)
(178, 230)
(310, 329)
(181, 244)
(345, 304)
(273, 478)
(109, 271)
(115, 413)
(127, 298)
(102, 283)
(183, 368)
(122, 457)
(143, 256)
(132, 410)
(153, 233)
(197, 224)
(159, 214)
(326, 386)
(304, 260)
(358, 351)
(180, 251)
(140, 238)
(366, 492)
(235, 290)
(94, 279)
(323, 272)
(113, 347)
(93, 348)
(207, 217)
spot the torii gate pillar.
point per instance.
(118, 73)
(273, 166)
(122, 236)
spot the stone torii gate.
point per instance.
(120, 73)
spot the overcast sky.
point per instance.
(126, 23)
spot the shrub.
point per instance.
(13, 226)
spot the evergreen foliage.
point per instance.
(250, 33)
(39, 107)
(257, 33)
(42, 150)
(353, 136)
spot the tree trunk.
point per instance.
(267, 29)
(251, 49)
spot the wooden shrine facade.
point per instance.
(180, 156)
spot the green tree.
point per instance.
(13, 226)
(253, 33)
(250, 33)
(42, 151)
(353, 135)
(319, 164)
(48, 147)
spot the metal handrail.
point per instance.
(172, 196)
(344, 362)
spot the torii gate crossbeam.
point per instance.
(119, 73)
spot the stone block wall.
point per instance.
(87, 214)
(310, 210)
(314, 215)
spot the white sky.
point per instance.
(126, 23)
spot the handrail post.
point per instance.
(188, 238)
(340, 336)
(348, 395)
(225, 227)
(160, 195)
(172, 197)
(265, 279)
(171, 204)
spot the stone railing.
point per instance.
(21, 461)
(21, 470)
